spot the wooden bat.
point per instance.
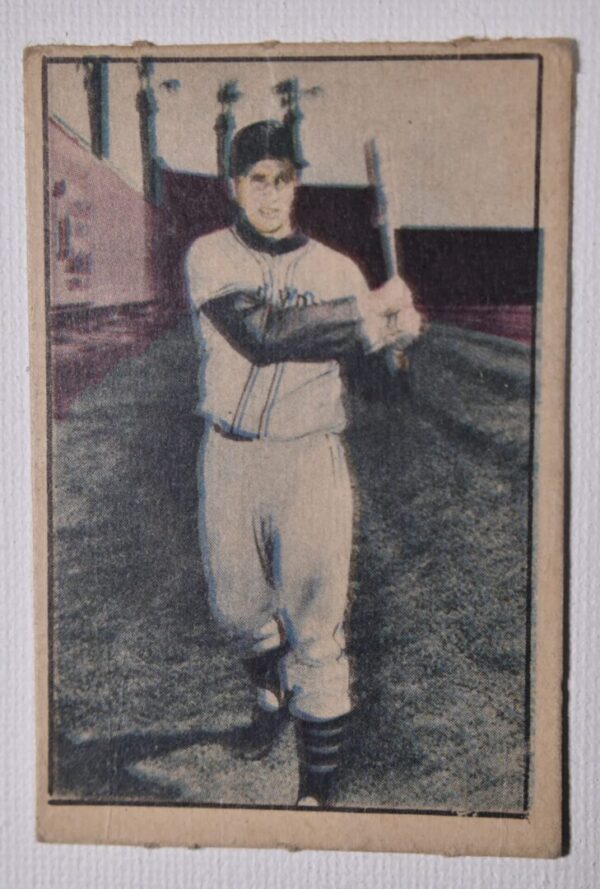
(378, 171)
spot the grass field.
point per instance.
(148, 697)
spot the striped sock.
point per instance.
(320, 752)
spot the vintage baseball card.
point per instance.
(298, 358)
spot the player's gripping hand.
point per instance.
(389, 316)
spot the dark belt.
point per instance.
(230, 436)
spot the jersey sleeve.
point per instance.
(266, 334)
(203, 273)
(195, 281)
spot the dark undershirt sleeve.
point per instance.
(267, 334)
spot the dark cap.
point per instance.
(264, 139)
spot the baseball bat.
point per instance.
(376, 173)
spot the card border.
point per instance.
(560, 56)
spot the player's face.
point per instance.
(266, 195)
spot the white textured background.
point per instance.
(25, 864)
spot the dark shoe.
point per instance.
(315, 790)
(320, 747)
(258, 739)
(263, 670)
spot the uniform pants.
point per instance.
(275, 524)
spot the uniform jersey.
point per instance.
(273, 318)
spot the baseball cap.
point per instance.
(264, 139)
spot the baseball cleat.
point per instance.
(316, 788)
(309, 802)
(263, 671)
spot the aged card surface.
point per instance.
(298, 338)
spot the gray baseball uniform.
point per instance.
(273, 318)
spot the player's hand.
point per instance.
(392, 297)
(389, 316)
(407, 325)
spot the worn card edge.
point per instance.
(540, 835)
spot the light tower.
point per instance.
(290, 96)
(227, 95)
(95, 81)
(147, 107)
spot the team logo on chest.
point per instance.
(291, 296)
(286, 297)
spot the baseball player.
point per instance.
(275, 312)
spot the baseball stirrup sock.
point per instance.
(320, 752)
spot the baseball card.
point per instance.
(298, 337)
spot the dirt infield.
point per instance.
(148, 695)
